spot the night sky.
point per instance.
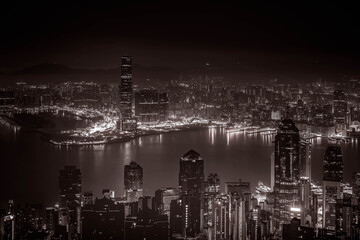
(181, 35)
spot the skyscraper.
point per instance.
(133, 181)
(126, 88)
(191, 184)
(339, 108)
(191, 177)
(333, 165)
(70, 199)
(286, 156)
(212, 190)
(333, 176)
(127, 121)
(305, 159)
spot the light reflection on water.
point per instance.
(231, 155)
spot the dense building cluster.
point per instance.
(293, 208)
(322, 106)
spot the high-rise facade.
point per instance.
(70, 200)
(286, 159)
(127, 121)
(133, 181)
(332, 178)
(340, 108)
(212, 190)
(126, 87)
(305, 159)
(191, 185)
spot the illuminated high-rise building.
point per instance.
(305, 159)
(191, 176)
(127, 121)
(333, 165)
(339, 108)
(70, 200)
(191, 185)
(332, 178)
(212, 190)
(133, 181)
(126, 87)
(286, 185)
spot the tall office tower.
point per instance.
(305, 191)
(221, 228)
(127, 121)
(344, 218)
(286, 155)
(332, 178)
(70, 200)
(133, 180)
(212, 190)
(339, 109)
(163, 198)
(126, 87)
(191, 185)
(333, 165)
(305, 159)
(176, 218)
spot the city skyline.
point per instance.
(201, 120)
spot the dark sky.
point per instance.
(180, 34)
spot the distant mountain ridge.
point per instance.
(54, 73)
(233, 71)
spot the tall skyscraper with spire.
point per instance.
(286, 161)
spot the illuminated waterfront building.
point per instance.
(133, 181)
(332, 178)
(127, 122)
(151, 106)
(339, 109)
(126, 87)
(286, 185)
